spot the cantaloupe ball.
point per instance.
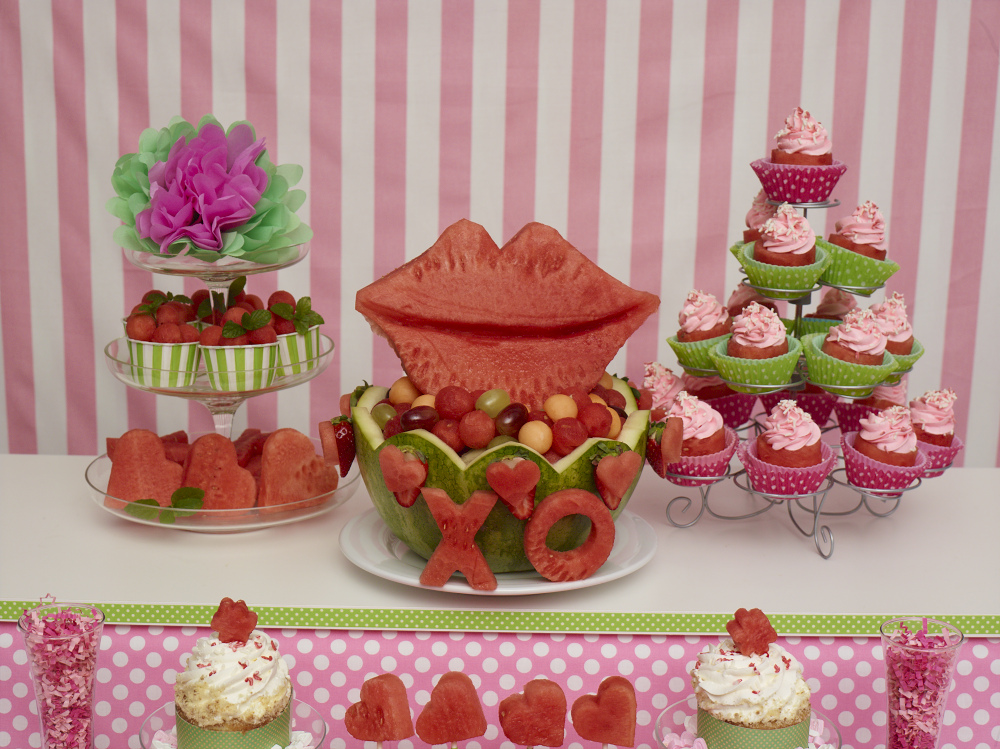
(560, 406)
(616, 424)
(403, 391)
(423, 400)
(537, 435)
(607, 381)
(595, 398)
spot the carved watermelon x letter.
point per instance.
(534, 317)
(457, 550)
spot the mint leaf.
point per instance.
(232, 330)
(283, 310)
(257, 319)
(145, 509)
(187, 500)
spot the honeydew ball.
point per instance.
(560, 406)
(537, 435)
(493, 401)
(382, 413)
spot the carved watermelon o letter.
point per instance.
(457, 550)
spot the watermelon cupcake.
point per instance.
(882, 456)
(703, 323)
(895, 324)
(707, 443)
(734, 406)
(815, 401)
(858, 252)
(850, 360)
(759, 355)
(933, 418)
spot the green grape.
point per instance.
(382, 413)
(493, 401)
(500, 439)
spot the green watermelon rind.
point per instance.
(501, 538)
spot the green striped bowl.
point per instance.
(163, 365)
(241, 368)
(298, 353)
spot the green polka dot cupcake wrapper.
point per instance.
(853, 272)
(780, 281)
(757, 375)
(841, 377)
(809, 325)
(905, 362)
(696, 356)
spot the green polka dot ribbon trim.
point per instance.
(511, 621)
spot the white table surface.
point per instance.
(937, 554)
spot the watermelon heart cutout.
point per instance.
(382, 713)
(501, 538)
(404, 473)
(213, 466)
(514, 481)
(453, 712)
(535, 717)
(607, 717)
(291, 471)
(615, 476)
(141, 470)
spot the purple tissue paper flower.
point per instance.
(207, 186)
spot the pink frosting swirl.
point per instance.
(759, 327)
(895, 394)
(663, 384)
(693, 384)
(890, 430)
(700, 419)
(803, 134)
(835, 304)
(761, 210)
(701, 311)
(865, 226)
(859, 332)
(788, 427)
(787, 231)
(934, 411)
(892, 319)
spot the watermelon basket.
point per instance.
(501, 537)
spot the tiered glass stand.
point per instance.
(805, 510)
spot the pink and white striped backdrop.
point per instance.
(627, 125)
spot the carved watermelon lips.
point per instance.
(534, 317)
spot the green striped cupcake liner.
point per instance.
(298, 353)
(841, 377)
(781, 281)
(240, 368)
(856, 273)
(696, 357)
(756, 376)
(905, 362)
(164, 365)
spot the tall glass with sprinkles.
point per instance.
(62, 641)
(920, 656)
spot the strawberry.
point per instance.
(233, 621)
(343, 436)
(654, 456)
(751, 631)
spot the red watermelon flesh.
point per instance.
(175, 444)
(213, 467)
(383, 713)
(536, 717)
(607, 717)
(291, 471)
(249, 444)
(141, 470)
(534, 317)
(453, 713)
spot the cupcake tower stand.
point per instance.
(804, 510)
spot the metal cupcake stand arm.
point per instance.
(879, 503)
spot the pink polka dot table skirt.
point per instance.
(137, 665)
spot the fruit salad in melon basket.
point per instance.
(506, 446)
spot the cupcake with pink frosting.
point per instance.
(788, 458)
(707, 443)
(858, 251)
(759, 355)
(834, 305)
(735, 407)
(663, 386)
(851, 411)
(760, 211)
(801, 167)
(742, 296)
(850, 360)
(933, 418)
(703, 322)
(893, 321)
(882, 455)
(787, 259)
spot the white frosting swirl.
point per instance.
(233, 681)
(750, 690)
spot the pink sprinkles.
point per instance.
(919, 668)
(62, 642)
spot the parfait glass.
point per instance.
(62, 641)
(920, 656)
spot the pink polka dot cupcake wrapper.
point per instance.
(865, 473)
(690, 468)
(798, 183)
(782, 480)
(735, 408)
(817, 405)
(940, 457)
(850, 414)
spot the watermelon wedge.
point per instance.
(501, 537)
(534, 317)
